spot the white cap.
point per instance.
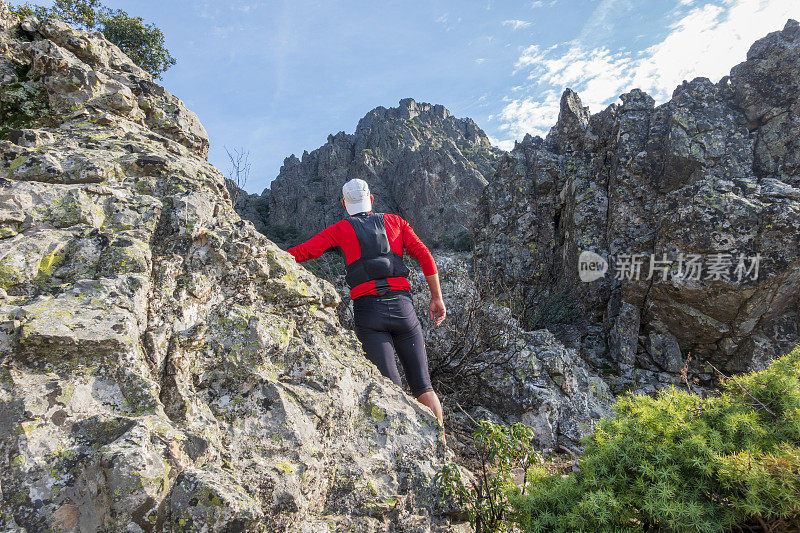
(356, 196)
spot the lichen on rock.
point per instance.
(163, 366)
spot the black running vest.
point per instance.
(377, 261)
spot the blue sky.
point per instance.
(276, 77)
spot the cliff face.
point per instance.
(163, 365)
(483, 358)
(420, 162)
(714, 173)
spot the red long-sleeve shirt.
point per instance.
(342, 234)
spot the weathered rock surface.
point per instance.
(482, 358)
(252, 207)
(163, 366)
(712, 172)
(420, 162)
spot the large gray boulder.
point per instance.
(163, 366)
(712, 172)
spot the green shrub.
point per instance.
(679, 462)
(463, 242)
(500, 450)
(554, 306)
(283, 236)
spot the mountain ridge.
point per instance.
(420, 161)
(712, 172)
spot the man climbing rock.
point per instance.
(384, 316)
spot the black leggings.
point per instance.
(388, 323)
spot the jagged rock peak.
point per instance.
(424, 115)
(573, 122)
(410, 108)
(419, 160)
(713, 173)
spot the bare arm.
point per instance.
(437, 309)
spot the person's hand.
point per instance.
(437, 310)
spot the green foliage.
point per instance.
(23, 103)
(29, 10)
(554, 307)
(501, 450)
(283, 236)
(463, 242)
(84, 13)
(143, 43)
(680, 462)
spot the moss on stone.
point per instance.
(285, 467)
(9, 274)
(47, 264)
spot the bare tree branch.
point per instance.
(239, 170)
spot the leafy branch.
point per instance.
(501, 450)
(142, 43)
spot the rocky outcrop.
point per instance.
(252, 207)
(163, 366)
(483, 359)
(420, 162)
(711, 173)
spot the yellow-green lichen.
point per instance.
(17, 162)
(47, 264)
(7, 232)
(382, 507)
(285, 467)
(375, 413)
(9, 274)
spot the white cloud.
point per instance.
(528, 115)
(706, 41)
(480, 60)
(516, 24)
(505, 144)
(604, 17)
(444, 20)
